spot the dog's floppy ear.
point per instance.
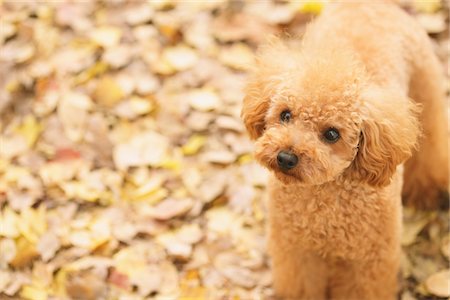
(389, 134)
(272, 61)
(254, 109)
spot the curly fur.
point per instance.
(335, 218)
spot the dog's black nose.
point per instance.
(287, 160)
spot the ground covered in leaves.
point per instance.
(125, 171)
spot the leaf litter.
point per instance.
(125, 170)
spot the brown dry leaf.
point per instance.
(180, 57)
(171, 208)
(434, 23)
(203, 99)
(47, 246)
(17, 52)
(134, 108)
(138, 14)
(272, 13)
(411, 231)
(175, 246)
(445, 247)
(85, 285)
(212, 187)
(438, 284)
(118, 56)
(73, 113)
(219, 157)
(8, 251)
(147, 148)
(239, 56)
(106, 36)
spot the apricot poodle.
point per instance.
(334, 119)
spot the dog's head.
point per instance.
(315, 119)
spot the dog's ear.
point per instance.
(254, 109)
(389, 134)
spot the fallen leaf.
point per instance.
(107, 92)
(445, 247)
(106, 36)
(120, 280)
(438, 284)
(171, 208)
(309, 7)
(180, 57)
(25, 253)
(133, 108)
(239, 56)
(118, 56)
(428, 7)
(73, 112)
(147, 148)
(29, 129)
(8, 251)
(84, 285)
(31, 292)
(47, 246)
(433, 24)
(138, 14)
(219, 157)
(411, 229)
(203, 99)
(194, 144)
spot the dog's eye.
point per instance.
(285, 116)
(331, 135)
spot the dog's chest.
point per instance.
(335, 221)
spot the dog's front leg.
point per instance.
(297, 274)
(370, 280)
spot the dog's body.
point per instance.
(334, 121)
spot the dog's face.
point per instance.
(322, 118)
(308, 140)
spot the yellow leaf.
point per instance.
(12, 86)
(427, 6)
(59, 284)
(194, 144)
(150, 192)
(14, 173)
(79, 190)
(8, 223)
(170, 164)
(26, 252)
(31, 292)
(29, 129)
(309, 7)
(192, 293)
(4, 164)
(97, 69)
(246, 158)
(32, 223)
(108, 92)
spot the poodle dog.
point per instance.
(334, 119)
